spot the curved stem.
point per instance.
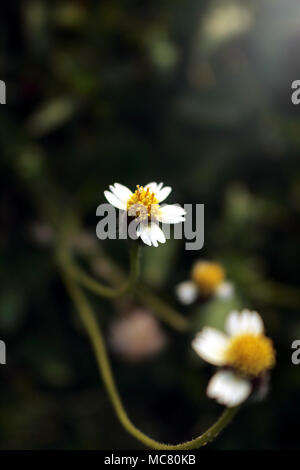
(166, 313)
(97, 340)
(162, 310)
(95, 286)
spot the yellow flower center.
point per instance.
(250, 355)
(143, 204)
(208, 276)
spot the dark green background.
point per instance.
(193, 93)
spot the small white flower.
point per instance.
(244, 353)
(144, 205)
(207, 281)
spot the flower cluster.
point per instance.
(244, 355)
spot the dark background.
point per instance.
(193, 93)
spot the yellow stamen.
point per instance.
(143, 204)
(208, 276)
(250, 355)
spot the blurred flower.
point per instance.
(208, 276)
(144, 206)
(245, 356)
(137, 336)
(207, 279)
(224, 22)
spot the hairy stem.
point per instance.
(94, 332)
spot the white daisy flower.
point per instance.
(244, 354)
(207, 280)
(144, 205)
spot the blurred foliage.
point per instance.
(194, 93)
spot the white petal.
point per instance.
(225, 290)
(157, 233)
(112, 199)
(151, 234)
(187, 292)
(171, 214)
(121, 192)
(163, 193)
(143, 232)
(228, 388)
(211, 345)
(244, 322)
(152, 186)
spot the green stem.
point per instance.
(95, 286)
(162, 310)
(93, 330)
